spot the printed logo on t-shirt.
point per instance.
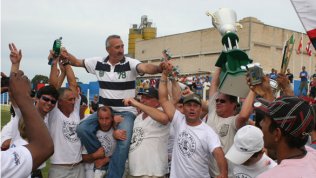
(224, 130)
(107, 143)
(69, 131)
(186, 144)
(16, 158)
(242, 175)
(101, 73)
(137, 138)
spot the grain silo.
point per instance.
(145, 31)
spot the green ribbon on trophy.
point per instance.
(231, 59)
(175, 69)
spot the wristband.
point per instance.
(163, 81)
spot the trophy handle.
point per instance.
(239, 25)
(214, 19)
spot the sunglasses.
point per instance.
(48, 99)
(220, 101)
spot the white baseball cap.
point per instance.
(248, 140)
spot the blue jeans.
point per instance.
(87, 129)
(119, 157)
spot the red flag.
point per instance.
(306, 11)
(308, 48)
(300, 46)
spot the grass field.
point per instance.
(5, 118)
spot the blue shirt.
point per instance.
(303, 75)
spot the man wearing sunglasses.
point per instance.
(15, 134)
(224, 119)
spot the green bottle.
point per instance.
(56, 49)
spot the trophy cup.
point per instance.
(231, 59)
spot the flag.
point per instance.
(309, 49)
(287, 51)
(306, 11)
(300, 46)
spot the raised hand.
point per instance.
(15, 55)
(263, 89)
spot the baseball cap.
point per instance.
(152, 92)
(192, 97)
(247, 141)
(294, 115)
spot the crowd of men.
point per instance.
(155, 133)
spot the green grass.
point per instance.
(5, 118)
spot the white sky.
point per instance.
(33, 25)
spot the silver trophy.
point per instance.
(231, 60)
(225, 21)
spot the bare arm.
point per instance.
(89, 158)
(154, 113)
(167, 106)
(62, 75)
(149, 68)
(176, 91)
(15, 58)
(221, 162)
(73, 60)
(246, 110)
(71, 80)
(40, 143)
(53, 76)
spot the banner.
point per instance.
(306, 11)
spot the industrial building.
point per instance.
(197, 51)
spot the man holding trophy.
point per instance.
(228, 82)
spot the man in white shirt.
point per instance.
(101, 157)
(223, 117)
(195, 142)
(62, 123)
(247, 153)
(21, 160)
(46, 99)
(116, 75)
(148, 154)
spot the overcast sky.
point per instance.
(33, 25)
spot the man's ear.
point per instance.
(277, 134)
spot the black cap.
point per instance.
(151, 92)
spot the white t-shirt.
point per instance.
(12, 132)
(67, 145)
(148, 154)
(107, 141)
(252, 171)
(226, 130)
(192, 148)
(16, 162)
(6, 131)
(116, 81)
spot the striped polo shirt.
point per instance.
(116, 82)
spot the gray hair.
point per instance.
(107, 41)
